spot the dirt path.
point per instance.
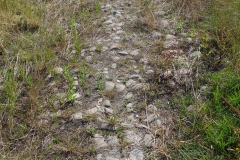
(122, 108)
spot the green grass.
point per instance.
(211, 130)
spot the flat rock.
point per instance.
(150, 72)
(109, 110)
(134, 76)
(114, 47)
(138, 86)
(128, 95)
(114, 66)
(99, 157)
(108, 22)
(148, 140)
(112, 140)
(170, 37)
(136, 154)
(158, 122)
(110, 158)
(156, 35)
(170, 43)
(127, 125)
(120, 87)
(109, 86)
(77, 115)
(183, 71)
(195, 54)
(134, 53)
(122, 53)
(89, 58)
(164, 23)
(118, 38)
(143, 60)
(130, 83)
(92, 110)
(99, 141)
(150, 118)
(132, 137)
(115, 58)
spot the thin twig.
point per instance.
(234, 108)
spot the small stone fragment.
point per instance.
(129, 107)
(158, 122)
(89, 58)
(150, 72)
(109, 110)
(107, 103)
(151, 108)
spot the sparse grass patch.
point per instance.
(35, 37)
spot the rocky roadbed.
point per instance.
(116, 110)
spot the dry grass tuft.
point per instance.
(190, 9)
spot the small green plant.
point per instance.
(97, 7)
(112, 121)
(92, 151)
(99, 82)
(179, 25)
(126, 101)
(90, 131)
(55, 139)
(84, 69)
(70, 97)
(54, 118)
(110, 79)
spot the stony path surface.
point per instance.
(115, 109)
